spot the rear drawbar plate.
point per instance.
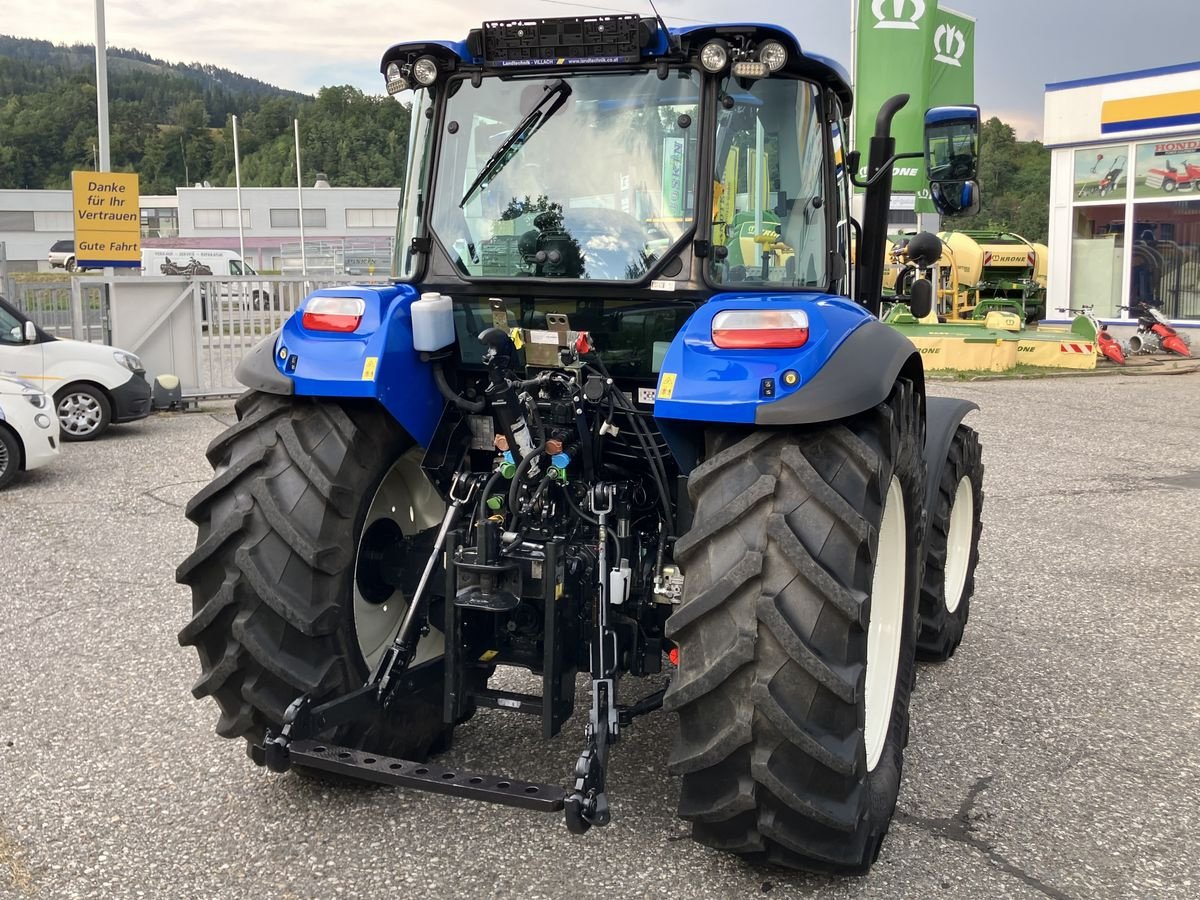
(427, 776)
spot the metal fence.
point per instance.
(229, 316)
(49, 304)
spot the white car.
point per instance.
(29, 434)
(92, 385)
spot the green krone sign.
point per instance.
(892, 57)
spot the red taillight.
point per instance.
(342, 314)
(760, 329)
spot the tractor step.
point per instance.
(364, 766)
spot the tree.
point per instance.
(1014, 178)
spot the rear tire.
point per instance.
(783, 757)
(273, 575)
(952, 549)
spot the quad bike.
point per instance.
(1106, 345)
(1155, 334)
(568, 439)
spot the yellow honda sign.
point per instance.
(108, 230)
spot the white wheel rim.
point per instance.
(887, 623)
(79, 414)
(406, 497)
(958, 543)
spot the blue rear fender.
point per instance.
(848, 364)
(700, 381)
(376, 360)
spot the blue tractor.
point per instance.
(625, 409)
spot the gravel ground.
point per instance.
(1056, 755)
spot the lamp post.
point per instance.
(105, 164)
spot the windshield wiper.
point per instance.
(556, 96)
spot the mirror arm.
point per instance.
(892, 160)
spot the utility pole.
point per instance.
(300, 200)
(237, 174)
(102, 88)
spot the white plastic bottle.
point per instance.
(432, 322)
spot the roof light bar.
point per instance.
(566, 41)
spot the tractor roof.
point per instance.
(659, 43)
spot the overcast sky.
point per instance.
(302, 45)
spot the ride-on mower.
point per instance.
(577, 433)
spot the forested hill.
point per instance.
(170, 122)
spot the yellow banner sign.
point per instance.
(107, 218)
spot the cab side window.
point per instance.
(769, 213)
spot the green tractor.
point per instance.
(587, 429)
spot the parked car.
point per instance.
(29, 433)
(62, 256)
(92, 385)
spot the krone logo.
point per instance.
(949, 44)
(896, 17)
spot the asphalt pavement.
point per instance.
(1056, 755)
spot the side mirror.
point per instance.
(952, 143)
(955, 198)
(31, 334)
(952, 158)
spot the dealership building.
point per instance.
(1125, 193)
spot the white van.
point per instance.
(189, 261)
(91, 385)
(194, 261)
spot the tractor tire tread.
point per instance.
(777, 591)
(276, 542)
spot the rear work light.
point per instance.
(760, 329)
(333, 314)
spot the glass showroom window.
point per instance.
(1165, 268)
(1165, 272)
(1097, 258)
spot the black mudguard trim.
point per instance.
(257, 370)
(858, 377)
(943, 415)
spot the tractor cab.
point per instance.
(611, 150)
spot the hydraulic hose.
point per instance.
(514, 489)
(469, 406)
(487, 492)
